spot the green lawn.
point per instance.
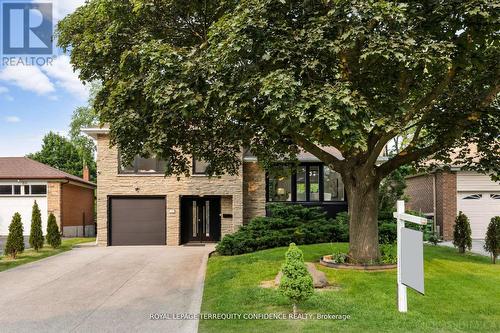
(31, 255)
(462, 295)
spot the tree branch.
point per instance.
(318, 152)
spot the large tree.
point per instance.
(60, 153)
(85, 117)
(208, 77)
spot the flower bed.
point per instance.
(329, 262)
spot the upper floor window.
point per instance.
(199, 167)
(142, 165)
(307, 183)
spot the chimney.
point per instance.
(86, 173)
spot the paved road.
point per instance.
(113, 289)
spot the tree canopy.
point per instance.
(60, 153)
(206, 78)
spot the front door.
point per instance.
(200, 219)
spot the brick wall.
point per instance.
(254, 191)
(76, 201)
(446, 202)
(420, 192)
(54, 201)
(109, 183)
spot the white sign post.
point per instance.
(402, 217)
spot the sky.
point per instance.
(37, 99)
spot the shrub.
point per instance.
(433, 239)
(53, 235)
(388, 254)
(286, 224)
(387, 233)
(296, 283)
(340, 258)
(36, 235)
(462, 233)
(15, 240)
(492, 240)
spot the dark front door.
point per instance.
(200, 219)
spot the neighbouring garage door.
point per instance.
(137, 221)
(480, 207)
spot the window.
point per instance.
(280, 186)
(307, 183)
(142, 165)
(5, 189)
(314, 183)
(199, 167)
(28, 189)
(38, 189)
(495, 196)
(333, 185)
(473, 197)
(301, 184)
(17, 189)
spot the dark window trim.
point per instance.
(308, 186)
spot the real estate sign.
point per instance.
(412, 259)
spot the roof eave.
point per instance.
(94, 132)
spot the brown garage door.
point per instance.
(137, 221)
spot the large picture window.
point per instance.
(142, 165)
(307, 183)
(280, 186)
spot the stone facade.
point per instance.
(111, 183)
(254, 191)
(54, 201)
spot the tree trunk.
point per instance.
(362, 197)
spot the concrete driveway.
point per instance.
(114, 289)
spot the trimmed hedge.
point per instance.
(286, 224)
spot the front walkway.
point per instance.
(115, 289)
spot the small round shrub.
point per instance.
(296, 283)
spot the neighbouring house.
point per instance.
(70, 198)
(138, 205)
(442, 194)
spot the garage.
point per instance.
(480, 207)
(137, 221)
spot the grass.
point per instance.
(29, 255)
(462, 295)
